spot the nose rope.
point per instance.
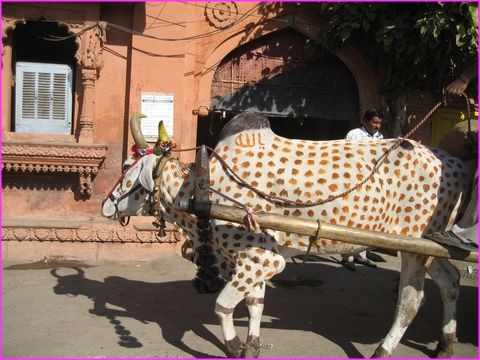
(119, 180)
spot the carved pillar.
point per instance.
(8, 25)
(90, 60)
(85, 134)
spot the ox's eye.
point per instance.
(128, 184)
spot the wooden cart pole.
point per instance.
(339, 233)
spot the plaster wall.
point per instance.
(169, 47)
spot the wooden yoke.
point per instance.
(200, 205)
(320, 229)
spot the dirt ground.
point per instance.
(150, 310)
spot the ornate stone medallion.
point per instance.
(221, 14)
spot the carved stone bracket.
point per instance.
(9, 23)
(90, 38)
(84, 160)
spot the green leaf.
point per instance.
(345, 34)
(413, 38)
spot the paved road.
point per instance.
(149, 310)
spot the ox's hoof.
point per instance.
(444, 348)
(381, 353)
(252, 348)
(235, 348)
(350, 265)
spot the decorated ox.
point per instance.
(408, 189)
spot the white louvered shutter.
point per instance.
(43, 98)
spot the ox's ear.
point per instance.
(146, 175)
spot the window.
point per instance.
(43, 98)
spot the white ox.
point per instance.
(415, 190)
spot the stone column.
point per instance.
(85, 133)
(8, 25)
(90, 61)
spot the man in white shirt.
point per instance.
(370, 129)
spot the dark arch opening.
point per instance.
(44, 42)
(306, 92)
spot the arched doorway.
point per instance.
(306, 92)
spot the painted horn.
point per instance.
(137, 131)
(162, 132)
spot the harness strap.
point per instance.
(159, 221)
(119, 180)
(115, 200)
(312, 241)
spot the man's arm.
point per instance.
(457, 86)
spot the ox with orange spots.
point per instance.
(413, 191)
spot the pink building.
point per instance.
(74, 73)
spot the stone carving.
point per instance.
(52, 157)
(89, 57)
(221, 14)
(94, 233)
(90, 37)
(85, 131)
(9, 23)
(90, 45)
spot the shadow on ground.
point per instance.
(342, 306)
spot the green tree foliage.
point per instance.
(420, 45)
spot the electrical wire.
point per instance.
(156, 18)
(248, 13)
(137, 33)
(111, 51)
(55, 38)
(149, 53)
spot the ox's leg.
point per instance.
(410, 296)
(447, 277)
(226, 302)
(268, 264)
(253, 267)
(254, 304)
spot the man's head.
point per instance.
(372, 120)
